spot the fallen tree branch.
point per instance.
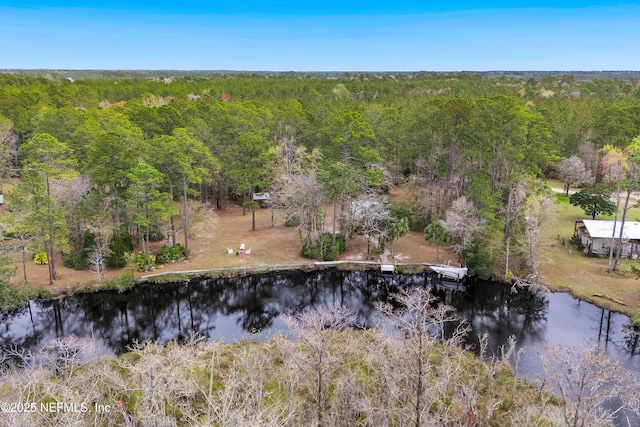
(610, 299)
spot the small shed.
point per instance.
(1, 204)
(597, 236)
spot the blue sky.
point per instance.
(323, 35)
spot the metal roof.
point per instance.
(1, 199)
(604, 229)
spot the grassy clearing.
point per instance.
(567, 269)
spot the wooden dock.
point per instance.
(387, 268)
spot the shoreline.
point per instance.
(224, 272)
(399, 268)
(600, 300)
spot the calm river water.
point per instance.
(230, 309)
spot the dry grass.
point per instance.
(587, 279)
(271, 244)
(567, 269)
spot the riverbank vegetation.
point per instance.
(410, 370)
(93, 169)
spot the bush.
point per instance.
(171, 253)
(122, 282)
(139, 261)
(309, 250)
(76, 260)
(41, 258)
(89, 240)
(420, 216)
(118, 247)
(323, 248)
(480, 260)
(575, 240)
(79, 260)
(402, 210)
(156, 235)
(15, 296)
(293, 221)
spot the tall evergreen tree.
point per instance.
(151, 204)
(46, 159)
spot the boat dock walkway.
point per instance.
(385, 265)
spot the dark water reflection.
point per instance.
(231, 309)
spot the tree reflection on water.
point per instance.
(234, 308)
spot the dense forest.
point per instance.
(106, 164)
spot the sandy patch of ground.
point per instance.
(271, 244)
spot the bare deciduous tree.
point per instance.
(163, 384)
(66, 355)
(512, 211)
(301, 198)
(414, 330)
(573, 172)
(249, 397)
(538, 214)
(590, 154)
(23, 236)
(463, 223)
(97, 259)
(615, 168)
(67, 194)
(365, 377)
(292, 158)
(592, 387)
(368, 216)
(201, 219)
(320, 356)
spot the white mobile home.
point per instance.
(596, 236)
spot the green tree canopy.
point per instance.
(45, 159)
(349, 140)
(594, 200)
(151, 204)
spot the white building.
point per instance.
(596, 236)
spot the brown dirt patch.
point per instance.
(271, 244)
